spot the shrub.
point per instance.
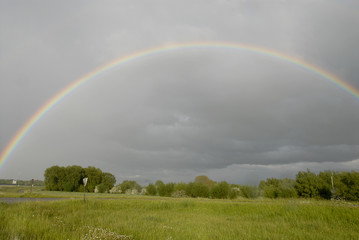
(151, 190)
(179, 194)
(234, 193)
(116, 189)
(221, 190)
(102, 188)
(249, 191)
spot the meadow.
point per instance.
(117, 216)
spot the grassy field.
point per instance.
(141, 217)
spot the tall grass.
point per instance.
(165, 218)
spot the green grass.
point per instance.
(40, 192)
(141, 217)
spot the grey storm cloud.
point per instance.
(233, 115)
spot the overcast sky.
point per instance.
(232, 115)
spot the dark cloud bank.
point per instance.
(231, 115)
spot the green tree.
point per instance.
(128, 185)
(234, 192)
(73, 178)
(161, 188)
(68, 187)
(278, 188)
(205, 181)
(249, 191)
(55, 178)
(151, 190)
(197, 189)
(94, 176)
(180, 186)
(307, 184)
(221, 190)
(169, 188)
(180, 190)
(51, 179)
(108, 181)
(287, 188)
(325, 184)
(269, 188)
(70, 178)
(349, 186)
(102, 188)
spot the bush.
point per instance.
(221, 190)
(116, 189)
(169, 189)
(161, 188)
(200, 190)
(179, 194)
(234, 193)
(151, 190)
(278, 188)
(249, 191)
(197, 190)
(127, 186)
(180, 186)
(102, 188)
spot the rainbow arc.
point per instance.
(51, 103)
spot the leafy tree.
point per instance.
(68, 187)
(249, 191)
(205, 181)
(159, 183)
(94, 176)
(70, 178)
(127, 186)
(234, 192)
(73, 178)
(287, 188)
(278, 188)
(151, 189)
(349, 187)
(62, 178)
(180, 190)
(161, 188)
(54, 178)
(221, 190)
(169, 189)
(269, 188)
(181, 186)
(102, 188)
(51, 179)
(108, 180)
(307, 184)
(197, 189)
(325, 185)
(189, 189)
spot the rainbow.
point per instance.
(21, 133)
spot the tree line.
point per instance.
(328, 184)
(70, 179)
(21, 182)
(307, 184)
